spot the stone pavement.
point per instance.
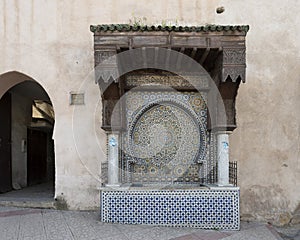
(42, 224)
(40, 196)
(289, 232)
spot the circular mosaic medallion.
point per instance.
(165, 134)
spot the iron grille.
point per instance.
(233, 173)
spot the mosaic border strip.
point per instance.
(207, 209)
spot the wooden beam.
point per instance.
(149, 40)
(193, 54)
(206, 52)
(144, 57)
(204, 56)
(179, 59)
(168, 57)
(156, 56)
(132, 57)
(130, 43)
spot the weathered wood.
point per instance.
(130, 43)
(228, 91)
(144, 57)
(146, 41)
(168, 58)
(105, 55)
(193, 54)
(234, 64)
(152, 78)
(233, 43)
(204, 56)
(156, 55)
(188, 41)
(179, 59)
(111, 40)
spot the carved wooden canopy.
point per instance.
(220, 50)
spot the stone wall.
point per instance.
(50, 41)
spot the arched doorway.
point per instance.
(27, 164)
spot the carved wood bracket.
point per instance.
(234, 64)
(106, 65)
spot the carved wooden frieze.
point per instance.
(234, 64)
(164, 78)
(234, 72)
(106, 65)
(234, 56)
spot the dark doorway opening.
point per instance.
(5, 144)
(36, 157)
(27, 165)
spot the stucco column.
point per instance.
(113, 159)
(223, 158)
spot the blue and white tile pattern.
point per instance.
(208, 209)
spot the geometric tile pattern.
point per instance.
(166, 141)
(199, 208)
(136, 100)
(167, 136)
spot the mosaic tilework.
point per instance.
(167, 136)
(166, 140)
(208, 209)
(193, 101)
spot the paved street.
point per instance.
(42, 224)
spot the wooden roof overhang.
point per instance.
(220, 50)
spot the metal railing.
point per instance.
(233, 173)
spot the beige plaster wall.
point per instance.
(266, 142)
(50, 41)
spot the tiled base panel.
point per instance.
(201, 208)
